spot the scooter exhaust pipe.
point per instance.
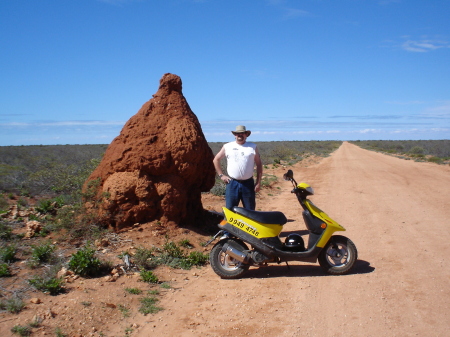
(235, 254)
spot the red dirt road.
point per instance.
(397, 213)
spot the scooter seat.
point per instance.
(270, 218)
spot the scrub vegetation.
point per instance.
(436, 151)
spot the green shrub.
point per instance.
(148, 306)
(417, 150)
(21, 330)
(4, 205)
(5, 232)
(165, 285)
(143, 258)
(50, 206)
(185, 243)
(13, 305)
(219, 188)
(171, 249)
(124, 310)
(134, 291)
(79, 223)
(36, 323)
(196, 259)
(173, 256)
(47, 284)
(4, 270)
(268, 179)
(42, 253)
(22, 203)
(148, 276)
(84, 263)
(59, 333)
(8, 253)
(435, 160)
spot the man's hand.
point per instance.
(257, 187)
(226, 179)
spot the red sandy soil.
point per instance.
(396, 212)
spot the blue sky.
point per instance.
(73, 72)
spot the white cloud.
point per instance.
(293, 12)
(424, 45)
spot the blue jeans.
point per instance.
(240, 191)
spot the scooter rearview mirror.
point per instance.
(289, 175)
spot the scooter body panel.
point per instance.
(330, 225)
(255, 229)
(271, 251)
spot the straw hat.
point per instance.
(241, 129)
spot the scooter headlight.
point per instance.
(306, 187)
(310, 189)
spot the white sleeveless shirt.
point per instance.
(240, 160)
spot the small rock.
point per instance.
(63, 272)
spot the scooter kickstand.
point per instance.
(288, 266)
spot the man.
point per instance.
(241, 159)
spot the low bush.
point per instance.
(41, 253)
(174, 256)
(8, 253)
(124, 310)
(194, 259)
(148, 277)
(143, 258)
(134, 291)
(4, 270)
(4, 205)
(5, 232)
(435, 160)
(219, 188)
(148, 306)
(185, 243)
(84, 263)
(59, 333)
(268, 179)
(21, 330)
(13, 305)
(50, 206)
(165, 285)
(47, 284)
(171, 249)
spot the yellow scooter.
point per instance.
(251, 238)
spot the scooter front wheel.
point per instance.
(223, 264)
(338, 256)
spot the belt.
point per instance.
(241, 181)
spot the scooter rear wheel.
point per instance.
(338, 256)
(223, 264)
